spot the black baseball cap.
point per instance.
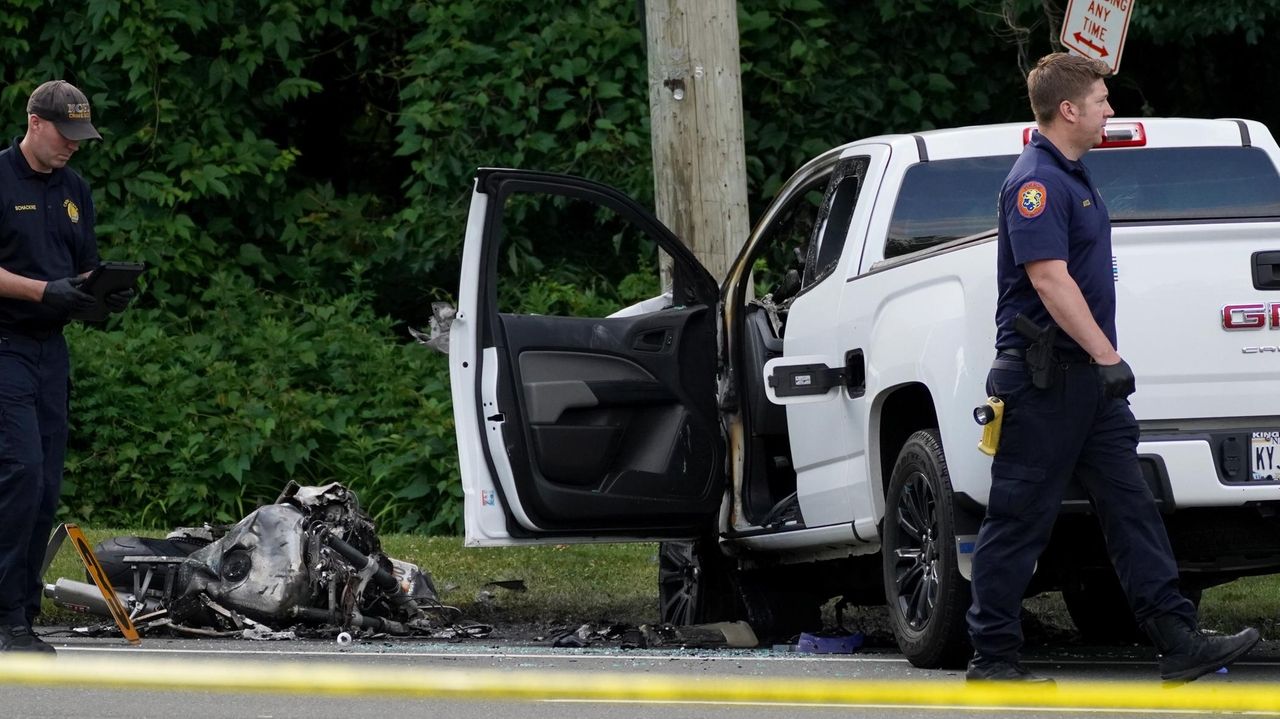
(61, 103)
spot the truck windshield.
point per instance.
(943, 200)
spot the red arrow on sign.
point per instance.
(1101, 50)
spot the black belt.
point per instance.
(1064, 355)
(1009, 361)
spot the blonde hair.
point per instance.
(1057, 77)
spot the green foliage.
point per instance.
(175, 424)
(818, 74)
(559, 87)
(1179, 22)
(1181, 58)
(297, 175)
(558, 293)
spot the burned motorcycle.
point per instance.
(311, 560)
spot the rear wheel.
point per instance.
(926, 594)
(781, 602)
(1099, 609)
(695, 583)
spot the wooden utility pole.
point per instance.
(695, 110)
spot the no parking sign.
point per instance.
(1096, 29)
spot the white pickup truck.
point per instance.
(806, 429)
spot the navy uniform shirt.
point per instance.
(46, 233)
(1051, 210)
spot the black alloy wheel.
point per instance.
(695, 583)
(916, 556)
(926, 595)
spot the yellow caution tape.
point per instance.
(318, 678)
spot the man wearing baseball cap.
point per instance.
(47, 246)
(61, 103)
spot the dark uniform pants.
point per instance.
(1047, 437)
(34, 376)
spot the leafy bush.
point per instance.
(185, 419)
(297, 175)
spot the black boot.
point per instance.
(41, 645)
(18, 639)
(1186, 653)
(1001, 670)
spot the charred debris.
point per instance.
(308, 565)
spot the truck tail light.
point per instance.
(1124, 134)
(1117, 134)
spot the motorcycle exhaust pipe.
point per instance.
(378, 624)
(385, 581)
(82, 597)
(86, 598)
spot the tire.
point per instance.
(695, 584)
(1098, 608)
(1097, 605)
(926, 595)
(780, 603)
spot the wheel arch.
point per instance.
(901, 411)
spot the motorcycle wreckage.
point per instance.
(310, 563)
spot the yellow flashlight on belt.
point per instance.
(989, 416)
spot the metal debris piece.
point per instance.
(703, 636)
(437, 335)
(737, 635)
(515, 585)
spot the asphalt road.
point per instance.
(325, 660)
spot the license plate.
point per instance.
(1264, 448)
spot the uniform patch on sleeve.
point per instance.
(1031, 199)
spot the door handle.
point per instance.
(1266, 270)
(653, 341)
(855, 373)
(812, 379)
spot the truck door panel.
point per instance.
(588, 423)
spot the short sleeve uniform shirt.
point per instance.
(46, 233)
(1051, 210)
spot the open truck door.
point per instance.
(574, 428)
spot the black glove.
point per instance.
(119, 299)
(1117, 379)
(64, 295)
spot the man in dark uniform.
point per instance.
(47, 245)
(1065, 391)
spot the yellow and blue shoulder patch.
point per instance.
(1031, 199)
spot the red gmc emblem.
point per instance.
(1254, 316)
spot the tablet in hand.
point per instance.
(102, 281)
